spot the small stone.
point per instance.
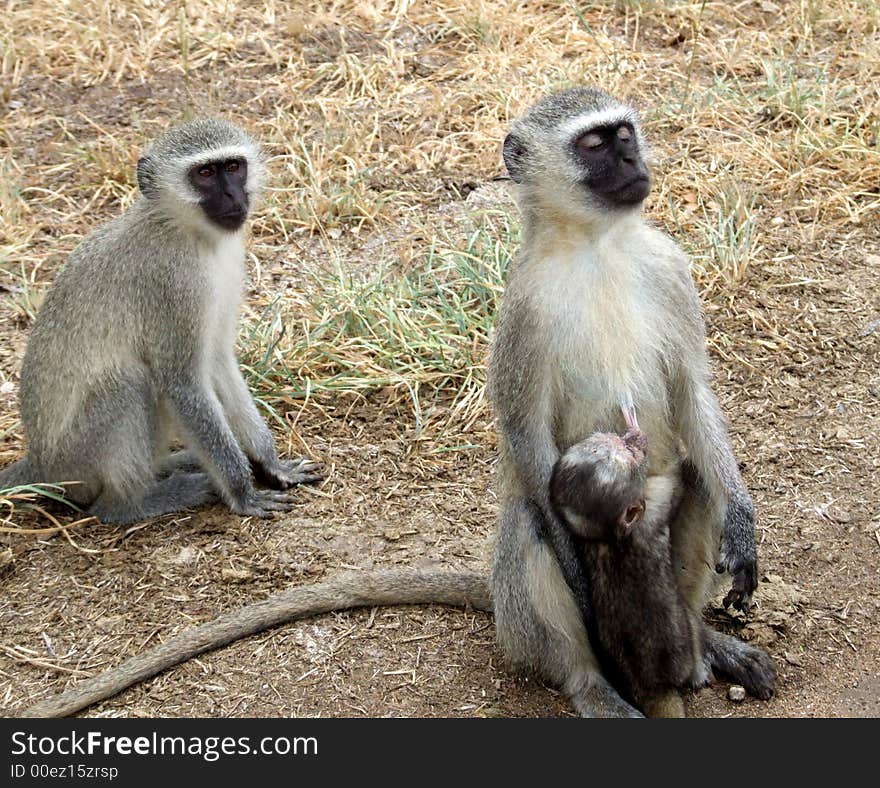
(187, 555)
(736, 693)
(870, 328)
(839, 515)
(110, 623)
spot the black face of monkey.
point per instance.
(221, 187)
(613, 162)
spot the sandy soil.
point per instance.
(803, 409)
(796, 353)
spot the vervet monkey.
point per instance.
(600, 306)
(648, 641)
(563, 359)
(135, 344)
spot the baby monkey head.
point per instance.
(580, 154)
(598, 485)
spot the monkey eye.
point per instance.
(207, 171)
(624, 134)
(232, 166)
(591, 140)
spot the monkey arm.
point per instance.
(201, 416)
(253, 434)
(530, 448)
(533, 453)
(523, 404)
(202, 419)
(248, 426)
(703, 429)
(520, 389)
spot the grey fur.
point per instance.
(598, 304)
(135, 344)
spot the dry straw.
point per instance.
(371, 273)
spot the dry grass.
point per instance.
(378, 254)
(375, 114)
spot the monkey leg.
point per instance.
(184, 461)
(109, 446)
(253, 434)
(112, 449)
(172, 494)
(741, 663)
(539, 625)
(667, 704)
(695, 536)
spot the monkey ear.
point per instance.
(514, 154)
(145, 176)
(632, 516)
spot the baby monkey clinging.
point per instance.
(648, 640)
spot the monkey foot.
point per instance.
(283, 474)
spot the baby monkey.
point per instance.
(649, 642)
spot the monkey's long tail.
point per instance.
(354, 589)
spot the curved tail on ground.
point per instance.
(354, 589)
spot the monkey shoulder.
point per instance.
(667, 274)
(663, 245)
(96, 255)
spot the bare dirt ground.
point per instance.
(794, 336)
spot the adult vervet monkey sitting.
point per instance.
(135, 344)
(600, 307)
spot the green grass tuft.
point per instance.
(424, 332)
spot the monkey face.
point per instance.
(613, 165)
(221, 189)
(204, 175)
(578, 155)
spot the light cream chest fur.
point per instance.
(225, 274)
(604, 329)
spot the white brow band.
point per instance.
(591, 120)
(220, 154)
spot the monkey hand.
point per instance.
(283, 474)
(262, 503)
(738, 553)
